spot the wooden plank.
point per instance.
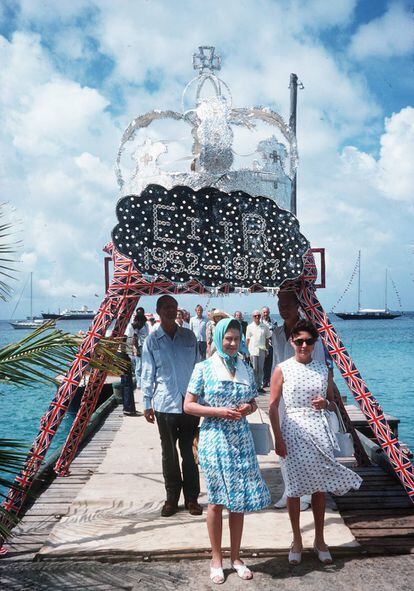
(406, 533)
(365, 505)
(381, 521)
(395, 492)
(380, 512)
(390, 542)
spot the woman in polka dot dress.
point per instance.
(303, 440)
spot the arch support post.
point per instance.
(91, 395)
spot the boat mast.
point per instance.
(386, 289)
(359, 280)
(31, 295)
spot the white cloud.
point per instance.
(396, 170)
(386, 36)
(64, 290)
(95, 171)
(55, 116)
(393, 172)
(320, 14)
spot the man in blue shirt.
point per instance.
(168, 358)
(198, 324)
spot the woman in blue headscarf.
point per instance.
(222, 389)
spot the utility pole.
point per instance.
(294, 83)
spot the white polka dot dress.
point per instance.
(310, 463)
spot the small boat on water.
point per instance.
(369, 313)
(83, 313)
(31, 322)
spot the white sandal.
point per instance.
(323, 555)
(243, 571)
(217, 575)
(294, 558)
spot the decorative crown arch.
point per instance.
(128, 283)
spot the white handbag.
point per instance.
(345, 445)
(262, 437)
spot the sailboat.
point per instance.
(369, 313)
(30, 322)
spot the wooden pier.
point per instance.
(54, 495)
(379, 515)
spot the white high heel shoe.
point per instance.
(294, 558)
(324, 556)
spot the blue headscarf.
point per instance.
(220, 330)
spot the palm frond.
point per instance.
(8, 246)
(44, 353)
(38, 356)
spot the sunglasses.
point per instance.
(299, 342)
(256, 315)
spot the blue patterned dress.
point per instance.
(226, 451)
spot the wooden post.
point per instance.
(292, 125)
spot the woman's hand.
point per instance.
(319, 403)
(280, 448)
(245, 409)
(229, 413)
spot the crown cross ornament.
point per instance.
(206, 59)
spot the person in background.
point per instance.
(267, 369)
(214, 316)
(198, 324)
(152, 323)
(168, 359)
(141, 331)
(127, 385)
(180, 319)
(140, 310)
(222, 389)
(304, 440)
(136, 333)
(239, 316)
(257, 341)
(186, 316)
(288, 305)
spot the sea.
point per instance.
(382, 350)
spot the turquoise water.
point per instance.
(21, 407)
(381, 350)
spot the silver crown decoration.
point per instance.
(200, 146)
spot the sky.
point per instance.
(74, 73)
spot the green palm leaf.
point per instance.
(45, 352)
(7, 247)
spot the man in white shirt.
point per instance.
(136, 333)
(282, 350)
(198, 324)
(267, 370)
(257, 341)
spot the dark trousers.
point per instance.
(267, 370)
(127, 391)
(181, 428)
(202, 350)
